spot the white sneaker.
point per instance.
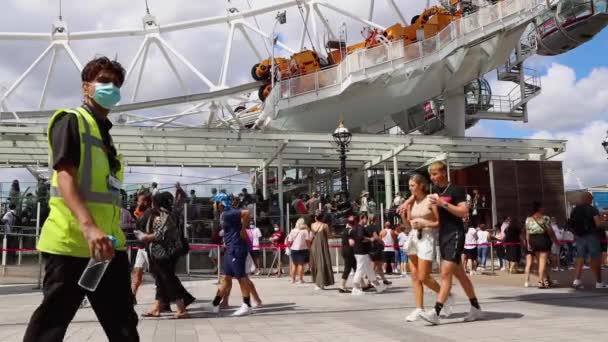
(357, 292)
(430, 316)
(448, 308)
(214, 309)
(474, 315)
(555, 269)
(577, 284)
(299, 283)
(380, 288)
(413, 316)
(317, 288)
(601, 286)
(503, 268)
(527, 284)
(244, 310)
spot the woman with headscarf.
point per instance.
(165, 246)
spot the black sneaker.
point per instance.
(344, 291)
(386, 282)
(367, 288)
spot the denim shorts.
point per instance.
(400, 256)
(588, 246)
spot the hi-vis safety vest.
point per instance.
(61, 233)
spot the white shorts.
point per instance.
(424, 248)
(141, 260)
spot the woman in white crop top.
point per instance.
(422, 241)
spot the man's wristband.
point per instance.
(445, 205)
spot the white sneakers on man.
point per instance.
(577, 284)
(601, 285)
(430, 316)
(244, 310)
(413, 316)
(474, 315)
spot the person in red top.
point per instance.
(277, 239)
(300, 205)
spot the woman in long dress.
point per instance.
(322, 271)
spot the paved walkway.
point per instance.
(299, 313)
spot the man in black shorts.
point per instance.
(452, 203)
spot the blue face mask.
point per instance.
(107, 95)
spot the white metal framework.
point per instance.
(222, 97)
(198, 147)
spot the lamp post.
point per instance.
(342, 137)
(605, 143)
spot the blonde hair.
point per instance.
(301, 224)
(439, 166)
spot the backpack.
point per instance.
(172, 242)
(581, 220)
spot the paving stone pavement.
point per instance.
(301, 314)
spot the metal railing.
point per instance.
(363, 59)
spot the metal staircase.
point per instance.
(514, 105)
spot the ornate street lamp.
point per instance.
(342, 137)
(605, 143)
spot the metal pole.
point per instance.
(186, 236)
(219, 263)
(19, 252)
(494, 214)
(343, 178)
(279, 179)
(287, 227)
(4, 252)
(381, 215)
(263, 268)
(396, 174)
(37, 239)
(264, 184)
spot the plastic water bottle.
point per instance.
(90, 278)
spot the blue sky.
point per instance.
(582, 60)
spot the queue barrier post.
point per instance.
(4, 246)
(19, 252)
(219, 263)
(39, 286)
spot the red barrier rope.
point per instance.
(283, 246)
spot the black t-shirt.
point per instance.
(347, 250)
(359, 234)
(449, 223)
(65, 140)
(581, 219)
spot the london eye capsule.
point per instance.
(569, 24)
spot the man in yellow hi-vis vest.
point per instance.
(84, 212)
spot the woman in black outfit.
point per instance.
(348, 254)
(164, 240)
(512, 242)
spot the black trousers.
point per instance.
(112, 301)
(350, 263)
(168, 286)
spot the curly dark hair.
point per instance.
(95, 66)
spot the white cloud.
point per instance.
(584, 155)
(567, 103)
